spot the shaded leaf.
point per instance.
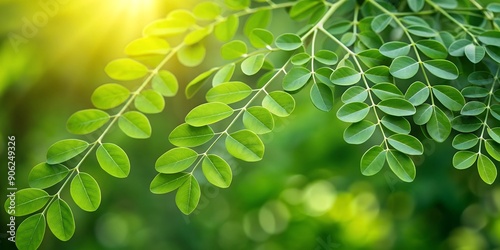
(449, 96)
(396, 107)
(373, 160)
(359, 132)
(353, 112)
(402, 165)
(465, 141)
(404, 67)
(407, 144)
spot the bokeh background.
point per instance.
(307, 193)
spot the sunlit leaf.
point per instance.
(188, 195)
(64, 150)
(279, 103)
(217, 171)
(29, 234)
(126, 69)
(109, 96)
(60, 220)
(165, 183)
(464, 159)
(85, 192)
(402, 165)
(208, 113)
(176, 160)
(28, 201)
(359, 132)
(113, 160)
(86, 121)
(135, 125)
(186, 135)
(258, 119)
(245, 145)
(44, 175)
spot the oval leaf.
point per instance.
(208, 113)
(85, 192)
(188, 195)
(165, 183)
(60, 220)
(245, 145)
(402, 165)
(186, 135)
(86, 121)
(150, 102)
(359, 132)
(176, 160)
(135, 125)
(258, 119)
(109, 96)
(406, 144)
(373, 160)
(64, 150)
(113, 160)
(44, 175)
(279, 103)
(126, 69)
(30, 233)
(229, 92)
(217, 171)
(27, 201)
(396, 107)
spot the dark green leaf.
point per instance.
(353, 112)
(373, 160)
(359, 132)
(474, 92)
(441, 68)
(396, 124)
(380, 22)
(422, 31)
(417, 93)
(494, 133)
(464, 159)
(465, 141)
(395, 49)
(449, 96)
(322, 97)
(404, 67)
(402, 165)
(423, 114)
(386, 91)
(416, 5)
(457, 48)
(490, 38)
(475, 53)
(407, 144)
(466, 124)
(378, 74)
(481, 78)
(354, 94)
(439, 126)
(396, 107)
(473, 108)
(432, 48)
(345, 76)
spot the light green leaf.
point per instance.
(237, 4)
(60, 220)
(380, 22)
(345, 76)
(64, 150)
(449, 96)
(279, 103)
(165, 183)
(296, 78)
(258, 20)
(326, 57)
(261, 38)
(423, 114)
(494, 133)
(442, 68)
(30, 233)
(245, 145)
(253, 64)
(234, 50)
(135, 124)
(416, 5)
(109, 96)
(473, 108)
(207, 10)
(439, 126)
(396, 107)
(465, 141)
(300, 59)
(353, 112)
(487, 169)
(44, 175)
(176, 160)
(167, 27)
(113, 160)
(396, 124)
(126, 69)
(208, 113)
(229, 92)
(404, 67)
(27, 201)
(188, 195)
(186, 135)
(323, 75)
(258, 119)
(493, 148)
(464, 159)
(147, 46)
(373, 160)
(378, 74)
(288, 42)
(195, 85)
(86, 121)
(322, 97)
(372, 58)
(193, 55)
(386, 91)
(402, 165)
(217, 171)
(338, 27)
(417, 93)
(422, 31)
(359, 132)
(432, 48)
(303, 9)
(165, 83)
(457, 48)
(225, 30)
(149, 101)
(354, 94)
(407, 144)
(490, 38)
(85, 192)
(493, 7)
(395, 49)
(223, 75)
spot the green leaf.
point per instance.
(109, 96)
(493, 148)
(432, 48)
(237, 4)
(258, 119)
(370, 39)
(323, 75)
(64, 150)
(345, 76)
(300, 59)
(252, 65)
(372, 58)
(225, 30)
(85, 192)
(296, 78)
(149, 101)
(475, 92)
(416, 5)
(193, 55)
(494, 53)
(373, 160)
(208, 113)
(165, 83)
(449, 96)
(354, 94)
(135, 124)
(465, 141)
(207, 10)
(27, 201)
(195, 85)
(223, 75)
(188, 195)
(473, 108)
(423, 114)
(279, 103)
(396, 107)
(353, 112)
(348, 38)
(167, 27)
(487, 169)
(44, 175)
(378, 74)
(126, 69)
(322, 97)
(396, 124)
(457, 48)
(326, 57)
(407, 144)
(386, 91)
(229, 92)
(481, 78)
(474, 53)
(417, 93)
(380, 22)
(490, 38)
(147, 46)
(414, 20)
(402, 165)
(495, 111)
(422, 31)
(258, 20)
(404, 67)
(113, 160)
(439, 126)
(359, 132)
(186, 135)
(302, 9)
(494, 133)
(176, 160)
(30, 233)
(395, 49)
(447, 4)
(493, 7)
(464, 159)
(288, 42)
(234, 50)
(217, 171)
(261, 38)
(60, 220)
(165, 183)
(86, 121)
(245, 145)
